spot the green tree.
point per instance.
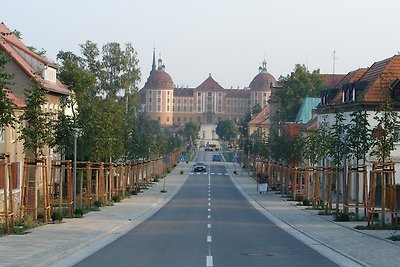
(37, 130)
(338, 148)
(6, 108)
(385, 134)
(191, 130)
(227, 129)
(295, 87)
(359, 134)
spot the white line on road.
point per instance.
(208, 238)
(209, 209)
(209, 225)
(209, 216)
(209, 261)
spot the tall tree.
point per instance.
(295, 87)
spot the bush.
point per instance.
(117, 198)
(57, 215)
(133, 192)
(78, 212)
(306, 202)
(342, 217)
(97, 204)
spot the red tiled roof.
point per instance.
(380, 76)
(159, 79)
(10, 43)
(351, 77)
(331, 80)
(188, 92)
(18, 102)
(209, 85)
(261, 116)
(237, 93)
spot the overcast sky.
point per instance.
(227, 38)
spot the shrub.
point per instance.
(78, 212)
(342, 217)
(117, 198)
(133, 192)
(306, 202)
(97, 204)
(57, 215)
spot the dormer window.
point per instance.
(49, 74)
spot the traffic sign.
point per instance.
(182, 158)
(235, 158)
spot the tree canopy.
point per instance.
(227, 129)
(295, 87)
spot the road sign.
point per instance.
(182, 158)
(258, 159)
(235, 158)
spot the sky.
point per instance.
(227, 38)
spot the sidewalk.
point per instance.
(67, 243)
(338, 241)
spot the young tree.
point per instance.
(37, 130)
(6, 109)
(385, 134)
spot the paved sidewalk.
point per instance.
(339, 242)
(67, 243)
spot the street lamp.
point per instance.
(74, 168)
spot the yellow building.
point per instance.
(207, 103)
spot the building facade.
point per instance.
(207, 103)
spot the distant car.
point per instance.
(199, 167)
(216, 157)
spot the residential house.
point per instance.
(27, 69)
(370, 83)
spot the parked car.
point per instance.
(216, 157)
(199, 167)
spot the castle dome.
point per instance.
(158, 78)
(263, 80)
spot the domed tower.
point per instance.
(260, 86)
(158, 93)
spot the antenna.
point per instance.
(334, 64)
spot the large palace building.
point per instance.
(208, 103)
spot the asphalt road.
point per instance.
(207, 223)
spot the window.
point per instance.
(159, 108)
(167, 118)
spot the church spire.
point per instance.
(153, 67)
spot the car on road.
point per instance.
(216, 157)
(199, 167)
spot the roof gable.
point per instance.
(380, 76)
(261, 116)
(31, 63)
(209, 85)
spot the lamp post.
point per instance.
(74, 168)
